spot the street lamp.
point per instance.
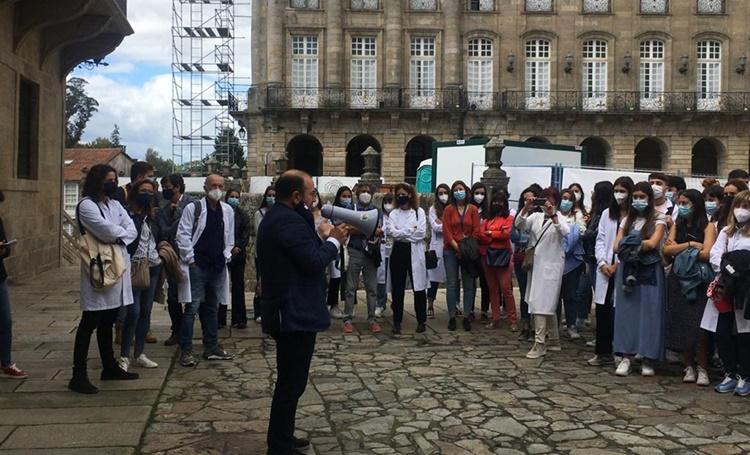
(242, 133)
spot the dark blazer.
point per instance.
(169, 219)
(292, 261)
(242, 226)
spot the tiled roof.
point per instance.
(76, 162)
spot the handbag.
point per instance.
(498, 257)
(430, 259)
(528, 259)
(103, 263)
(139, 274)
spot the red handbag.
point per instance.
(716, 293)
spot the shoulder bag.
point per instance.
(102, 262)
(528, 259)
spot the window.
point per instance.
(70, 198)
(595, 75)
(479, 72)
(654, 7)
(709, 75)
(364, 66)
(422, 73)
(481, 5)
(28, 130)
(537, 78)
(364, 4)
(538, 6)
(305, 4)
(595, 6)
(305, 71)
(710, 6)
(425, 5)
(652, 75)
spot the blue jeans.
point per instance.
(585, 292)
(383, 289)
(450, 260)
(138, 316)
(569, 294)
(6, 332)
(207, 290)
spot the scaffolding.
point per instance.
(203, 79)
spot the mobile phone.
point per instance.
(539, 202)
(10, 242)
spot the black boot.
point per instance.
(115, 373)
(80, 383)
(452, 324)
(467, 324)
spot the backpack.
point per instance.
(102, 262)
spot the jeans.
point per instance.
(450, 259)
(174, 307)
(401, 268)
(101, 321)
(734, 349)
(361, 264)
(294, 351)
(138, 316)
(383, 287)
(500, 283)
(6, 325)
(207, 290)
(605, 323)
(522, 278)
(569, 293)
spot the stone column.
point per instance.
(334, 43)
(371, 172)
(256, 47)
(495, 177)
(276, 47)
(452, 44)
(393, 44)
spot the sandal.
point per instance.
(430, 313)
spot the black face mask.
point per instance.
(497, 208)
(167, 194)
(403, 199)
(144, 200)
(109, 189)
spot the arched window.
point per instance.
(306, 154)
(479, 72)
(354, 162)
(537, 76)
(652, 75)
(594, 75)
(709, 75)
(417, 150)
(595, 151)
(705, 157)
(649, 154)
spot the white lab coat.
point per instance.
(723, 245)
(437, 274)
(603, 251)
(186, 241)
(410, 226)
(545, 279)
(116, 225)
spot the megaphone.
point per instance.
(365, 222)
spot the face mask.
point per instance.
(497, 208)
(711, 207)
(620, 197)
(144, 199)
(742, 215)
(459, 195)
(479, 198)
(577, 195)
(403, 199)
(316, 202)
(658, 191)
(109, 188)
(566, 205)
(167, 194)
(234, 201)
(670, 196)
(443, 198)
(270, 200)
(365, 198)
(346, 201)
(640, 204)
(684, 211)
(215, 195)
(387, 207)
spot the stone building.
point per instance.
(646, 84)
(40, 43)
(78, 161)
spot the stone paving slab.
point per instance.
(73, 435)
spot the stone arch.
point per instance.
(357, 145)
(705, 156)
(595, 152)
(418, 149)
(538, 140)
(305, 153)
(649, 154)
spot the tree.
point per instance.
(161, 166)
(114, 138)
(79, 108)
(227, 147)
(99, 143)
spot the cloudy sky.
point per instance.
(135, 90)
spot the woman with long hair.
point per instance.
(520, 240)
(337, 268)
(436, 275)
(480, 201)
(712, 199)
(640, 290)
(574, 268)
(580, 199)
(268, 200)
(237, 264)
(102, 217)
(386, 245)
(691, 231)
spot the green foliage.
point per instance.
(162, 166)
(79, 108)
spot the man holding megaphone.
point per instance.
(292, 257)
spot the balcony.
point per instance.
(621, 102)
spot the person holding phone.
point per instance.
(9, 369)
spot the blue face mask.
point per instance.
(566, 205)
(234, 201)
(639, 204)
(684, 211)
(711, 207)
(459, 195)
(346, 202)
(670, 196)
(270, 200)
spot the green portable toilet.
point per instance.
(424, 177)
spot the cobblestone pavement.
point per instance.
(442, 392)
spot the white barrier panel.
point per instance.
(329, 185)
(590, 177)
(259, 184)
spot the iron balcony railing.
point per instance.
(620, 102)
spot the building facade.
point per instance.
(646, 84)
(76, 164)
(40, 43)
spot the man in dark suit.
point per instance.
(292, 259)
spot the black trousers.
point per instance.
(605, 323)
(257, 299)
(484, 288)
(734, 348)
(294, 351)
(333, 292)
(101, 321)
(175, 309)
(400, 263)
(237, 275)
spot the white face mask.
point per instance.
(215, 195)
(479, 198)
(388, 207)
(443, 198)
(742, 215)
(620, 197)
(365, 198)
(658, 191)
(577, 194)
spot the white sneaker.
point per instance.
(537, 351)
(647, 370)
(591, 343)
(689, 375)
(573, 333)
(554, 345)
(703, 379)
(378, 312)
(258, 320)
(144, 362)
(623, 369)
(123, 363)
(618, 359)
(336, 313)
